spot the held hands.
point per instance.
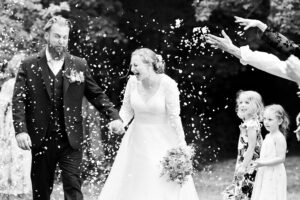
(256, 164)
(116, 126)
(24, 141)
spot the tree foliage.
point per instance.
(17, 29)
(21, 23)
(283, 14)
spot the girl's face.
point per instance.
(245, 107)
(271, 121)
(139, 68)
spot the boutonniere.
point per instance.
(75, 76)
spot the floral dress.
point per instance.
(242, 186)
(15, 163)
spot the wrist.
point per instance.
(234, 50)
(262, 26)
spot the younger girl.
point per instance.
(249, 109)
(270, 182)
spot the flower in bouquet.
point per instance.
(177, 165)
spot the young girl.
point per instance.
(270, 181)
(249, 109)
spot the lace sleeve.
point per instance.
(280, 42)
(264, 61)
(126, 111)
(173, 109)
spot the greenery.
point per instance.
(283, 14)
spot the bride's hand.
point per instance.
(248, 23)
(24, 141)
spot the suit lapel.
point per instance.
(67, 71)
(42, 62)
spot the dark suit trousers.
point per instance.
(56, 150)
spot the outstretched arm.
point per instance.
(250, 23)
(273, 38)
(260, 60)
(224, 44)
(280, 146)
(94, 93)
(280, 42)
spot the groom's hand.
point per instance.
(116, 126)
(24, 141)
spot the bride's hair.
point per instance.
(151, 57)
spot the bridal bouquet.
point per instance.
(177, 165)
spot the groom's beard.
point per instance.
(57, 52)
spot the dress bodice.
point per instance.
(153, 110)
(163, 107)
(243, 140)
(268, 149)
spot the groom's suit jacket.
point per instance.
(32, 99)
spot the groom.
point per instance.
(47, 111)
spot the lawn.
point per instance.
(211, 182)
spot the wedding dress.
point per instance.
(156, 128)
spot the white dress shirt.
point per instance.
(54, 65)
(264, 61)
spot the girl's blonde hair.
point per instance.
(149, 56)
(281, 114)
(255, 100)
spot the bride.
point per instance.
(152, 99)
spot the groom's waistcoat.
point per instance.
(57, 123)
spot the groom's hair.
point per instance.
(59, 20)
